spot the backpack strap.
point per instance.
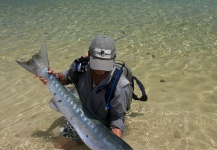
(144, 97)
(112, 86)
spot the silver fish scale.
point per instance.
(68, 99)
(65, 96)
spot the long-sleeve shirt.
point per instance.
(94, 98)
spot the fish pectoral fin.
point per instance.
(52, 105)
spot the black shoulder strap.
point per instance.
(144, 97)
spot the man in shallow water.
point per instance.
(91, 82)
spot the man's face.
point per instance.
(98, 75)
(99, 72)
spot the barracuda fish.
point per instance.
(92, 132)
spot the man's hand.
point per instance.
(43, 79)
(118, 132)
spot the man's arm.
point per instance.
(118, 108)
(61, 77)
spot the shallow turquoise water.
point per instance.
(170, 40)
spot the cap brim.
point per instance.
(99, 64)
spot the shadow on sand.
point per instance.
(49, 136)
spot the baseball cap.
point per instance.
(102, 53)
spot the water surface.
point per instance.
(170, 45)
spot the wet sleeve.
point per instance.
(65, 75)
(70, 73)
(118, 106)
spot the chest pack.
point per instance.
(121, 68)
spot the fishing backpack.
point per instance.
(121, 68)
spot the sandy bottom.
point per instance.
(170, 46)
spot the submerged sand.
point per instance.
(171, 46)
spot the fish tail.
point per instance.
(37, 61)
